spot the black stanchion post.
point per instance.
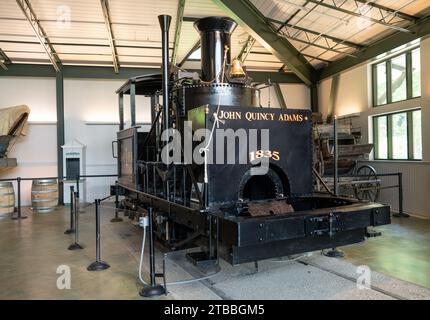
(400, 175)
(401, 214)
(334, 252)
(98, 265)
(77, 184)
(19, 215)
(72, 218)
(153, 289)
(335, 158)
(116, 218)
(76, 245)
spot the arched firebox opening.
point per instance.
(271, 185)
(259, 188)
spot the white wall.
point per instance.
(37, 152)
(95, 101)
(354, 96)
(91, 117)
(86, 103)
(296, 96)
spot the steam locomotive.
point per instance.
(229, 210)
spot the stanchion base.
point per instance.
(401, 215)
(98, 266)
(116, 220)
(69, 231)
(19, 218)
(334, 253)
(152, 291)
(75, 246)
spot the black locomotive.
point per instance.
(226, 208)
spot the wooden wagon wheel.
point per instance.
(370, 190)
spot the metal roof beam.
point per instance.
(80, 44)
(256, 25)
(279, 96)
(317, 58)
(282, 69)
(246, 49)
(391, 11)
(108, 23)
(4, 59)
(334, 39)
(304, 54)
(418, 30)
(275, 77)
(339, 8)
(328, 48)
(98, 72)
(293, 16)
(179, 19)
(194, 48)
(3, 65)
(305, 30)
(31, 17)
(250, 38)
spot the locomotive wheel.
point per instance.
(367, 191)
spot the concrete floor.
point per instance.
(31, 250)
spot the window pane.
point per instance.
(381, 84)
(398, 78)
(416, 131)
(400, 136)
(416, 73)
(382, 146)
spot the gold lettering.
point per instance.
(253, 116)
(230, 115)
(291, 117)
(261, 116)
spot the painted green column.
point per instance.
(314, 97)
(60, 132)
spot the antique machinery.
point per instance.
(226, 208)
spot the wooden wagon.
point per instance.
(359, 181)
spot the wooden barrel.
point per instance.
(7, 200)
(44, 195)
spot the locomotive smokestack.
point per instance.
(164, 21)
(215, 35)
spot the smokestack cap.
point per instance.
(164, 21)
(223, 24)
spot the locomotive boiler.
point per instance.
(259, 206)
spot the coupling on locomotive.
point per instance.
(220, 171)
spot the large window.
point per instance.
(397, 79)
(397, 136)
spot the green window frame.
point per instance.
(413, 89)
(384, 150)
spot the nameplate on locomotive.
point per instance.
(261, 116)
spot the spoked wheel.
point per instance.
(368, 190)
